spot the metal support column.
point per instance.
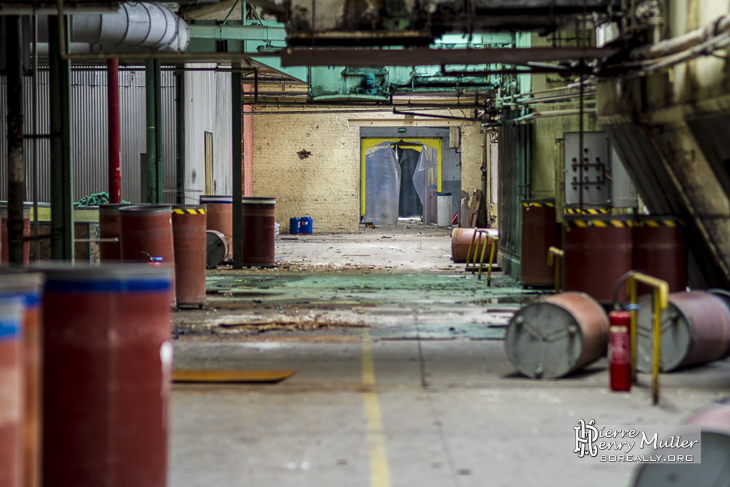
(180, 136)
(115, 138)
(16, 186)
(154, 131)
(62, 218)
(236, 133)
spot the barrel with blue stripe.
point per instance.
(107, 369)
(258, 223)
(29, 286)
(11, 390)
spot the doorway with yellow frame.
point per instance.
(407, 151)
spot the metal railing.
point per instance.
(481, 232)
(660, 301)
(555, 259)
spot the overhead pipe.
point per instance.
(135, 27)
(683, 42)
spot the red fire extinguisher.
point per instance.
(619, 354)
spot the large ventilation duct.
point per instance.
(136, 27)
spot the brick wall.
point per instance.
(325, 184)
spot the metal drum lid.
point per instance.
(251, 200)
(676, 336)
(215, 199)
(127, 210)
(216, 248)
(544, 341)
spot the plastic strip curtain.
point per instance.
(424, 179)
(382, 185)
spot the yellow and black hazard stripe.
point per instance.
(192, 211)
(658, 222)
(599, 223)
(538, 204)
(586, 211)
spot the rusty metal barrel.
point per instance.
(461, 239)
(146, 236)
(258, 221)
(557, 335)
(4, 235)
(220, 216)
(107, 367)
(539, 232)
(189, 237)
(29, 286)
(695, 330)
(598, 252)
(659, 250)
(714, 421)
(110, 228)
(11, 390)
(216, 248)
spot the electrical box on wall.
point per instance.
(597, 173)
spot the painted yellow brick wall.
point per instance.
(326, 184)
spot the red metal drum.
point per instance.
(4, 248)
(597, 253)
(29, 287)
(461, 239)
(146, 235)
(220, 216)
(11, 391)
(110, 227)
(258, 221)
(107, 366)
(659, 251)
(695, 330)
(539, 232)
(557, 335)
(189, 237)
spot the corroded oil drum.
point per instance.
(29, 287)
(107, 368)
(188, 228)
(659, 250)
(695, 330)
(539, 232)
(220, 216)
(110, 228)
(258, 221)
(4, 246)
(216, 248)
(11, 390)
(597, 253)
(557, 335)
(146, 235)
(714, 421)
(461, 239)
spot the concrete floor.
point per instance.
(401, 377)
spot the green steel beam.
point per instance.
(237, 121)
(238, 32)
(62, 218)
(153, 92)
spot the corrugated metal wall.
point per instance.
(207, 109)
(514, 163)
(89, 144)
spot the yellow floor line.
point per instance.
(379, 470)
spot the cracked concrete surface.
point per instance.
(386, 316)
